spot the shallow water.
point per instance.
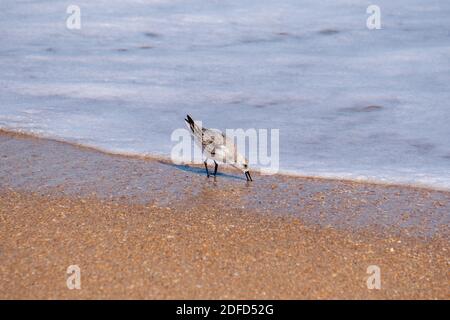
(51, 168)
(349, 102)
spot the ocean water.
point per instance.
(349, 102)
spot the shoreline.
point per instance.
(164, 158)
(147, 229)
(317, 201)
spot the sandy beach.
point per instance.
(148, 229)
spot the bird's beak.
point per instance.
(248, 176)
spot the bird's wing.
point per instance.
(231, 149)
(221, 147)
(212, 140)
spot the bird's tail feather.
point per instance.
(190, 122)
(189, 119)
(196, 130)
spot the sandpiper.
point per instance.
(215, 145)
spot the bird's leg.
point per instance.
(206, 167)
(215, 167)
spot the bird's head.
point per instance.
(242, 164)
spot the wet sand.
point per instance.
(145, 228)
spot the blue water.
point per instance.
(349, 102)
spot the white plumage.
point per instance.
(215, 145)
